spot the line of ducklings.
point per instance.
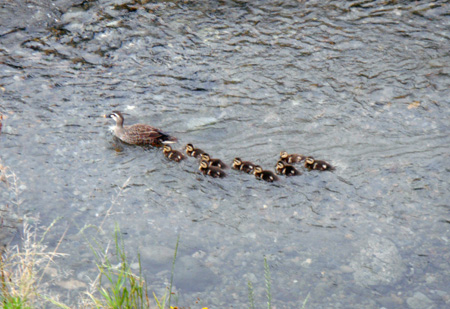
(214, 167)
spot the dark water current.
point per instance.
(362, 84)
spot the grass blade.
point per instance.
(268, 284)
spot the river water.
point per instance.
(364, 85)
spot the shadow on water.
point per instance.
(362, 84)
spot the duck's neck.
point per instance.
(118, 129)
(119, 123)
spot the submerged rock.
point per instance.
(418, 301)
(197, 123)
(191, 275)
(378, 263)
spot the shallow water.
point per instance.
(362, 84)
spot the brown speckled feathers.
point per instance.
(138, 134)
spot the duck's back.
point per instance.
(143, 134)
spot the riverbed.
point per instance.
(363, 85)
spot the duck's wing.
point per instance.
(148, 135)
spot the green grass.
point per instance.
(12, 302)
(268, 283)
(119, 287)
(22, 269)
(251, 297)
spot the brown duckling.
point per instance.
(268, 176)
(212, 171)
(318, 165)
(193, 152)
(291, 158)
(286, 169)
(213, 162)
(173, 155)
(138, 134)
(245, 166)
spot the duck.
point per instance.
(318, 165)
(286, 169)
(268, 176)
(212, 171)
(173, 155)
(193, 152)
(291, 158)
(213, 162)
(138, 134)
(245, 166)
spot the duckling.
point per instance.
(173, 155)
(212, 171)
(264, 175)
(213, 162)
(319, 165)
(245, 166)
(138, 134)
(193, 152)
(286, 169)
(291, 158)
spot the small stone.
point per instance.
(430, 278)
(134, 266)
(194, 276)
(52, 272)
(346, 269)
(419, 301)
(197, 123)
(306, 263)
(71, 284)
(157, 255)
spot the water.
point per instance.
(361, 84)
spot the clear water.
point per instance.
(362, 84)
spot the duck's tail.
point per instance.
(168, 139)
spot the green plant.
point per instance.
(251, 297)
(162, 303)
(13, 303)
(119, 287)
(22, 269)
(124, 289)
(268, 283)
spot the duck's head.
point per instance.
(309, 160)
(206, 157)
(189, 147)
(257, 169)
(280, 164)
(203, 164)
(237, 161)
(116, 115)
(167, 148)
(283, 155)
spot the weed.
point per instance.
(268, 283)
(22, 268)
